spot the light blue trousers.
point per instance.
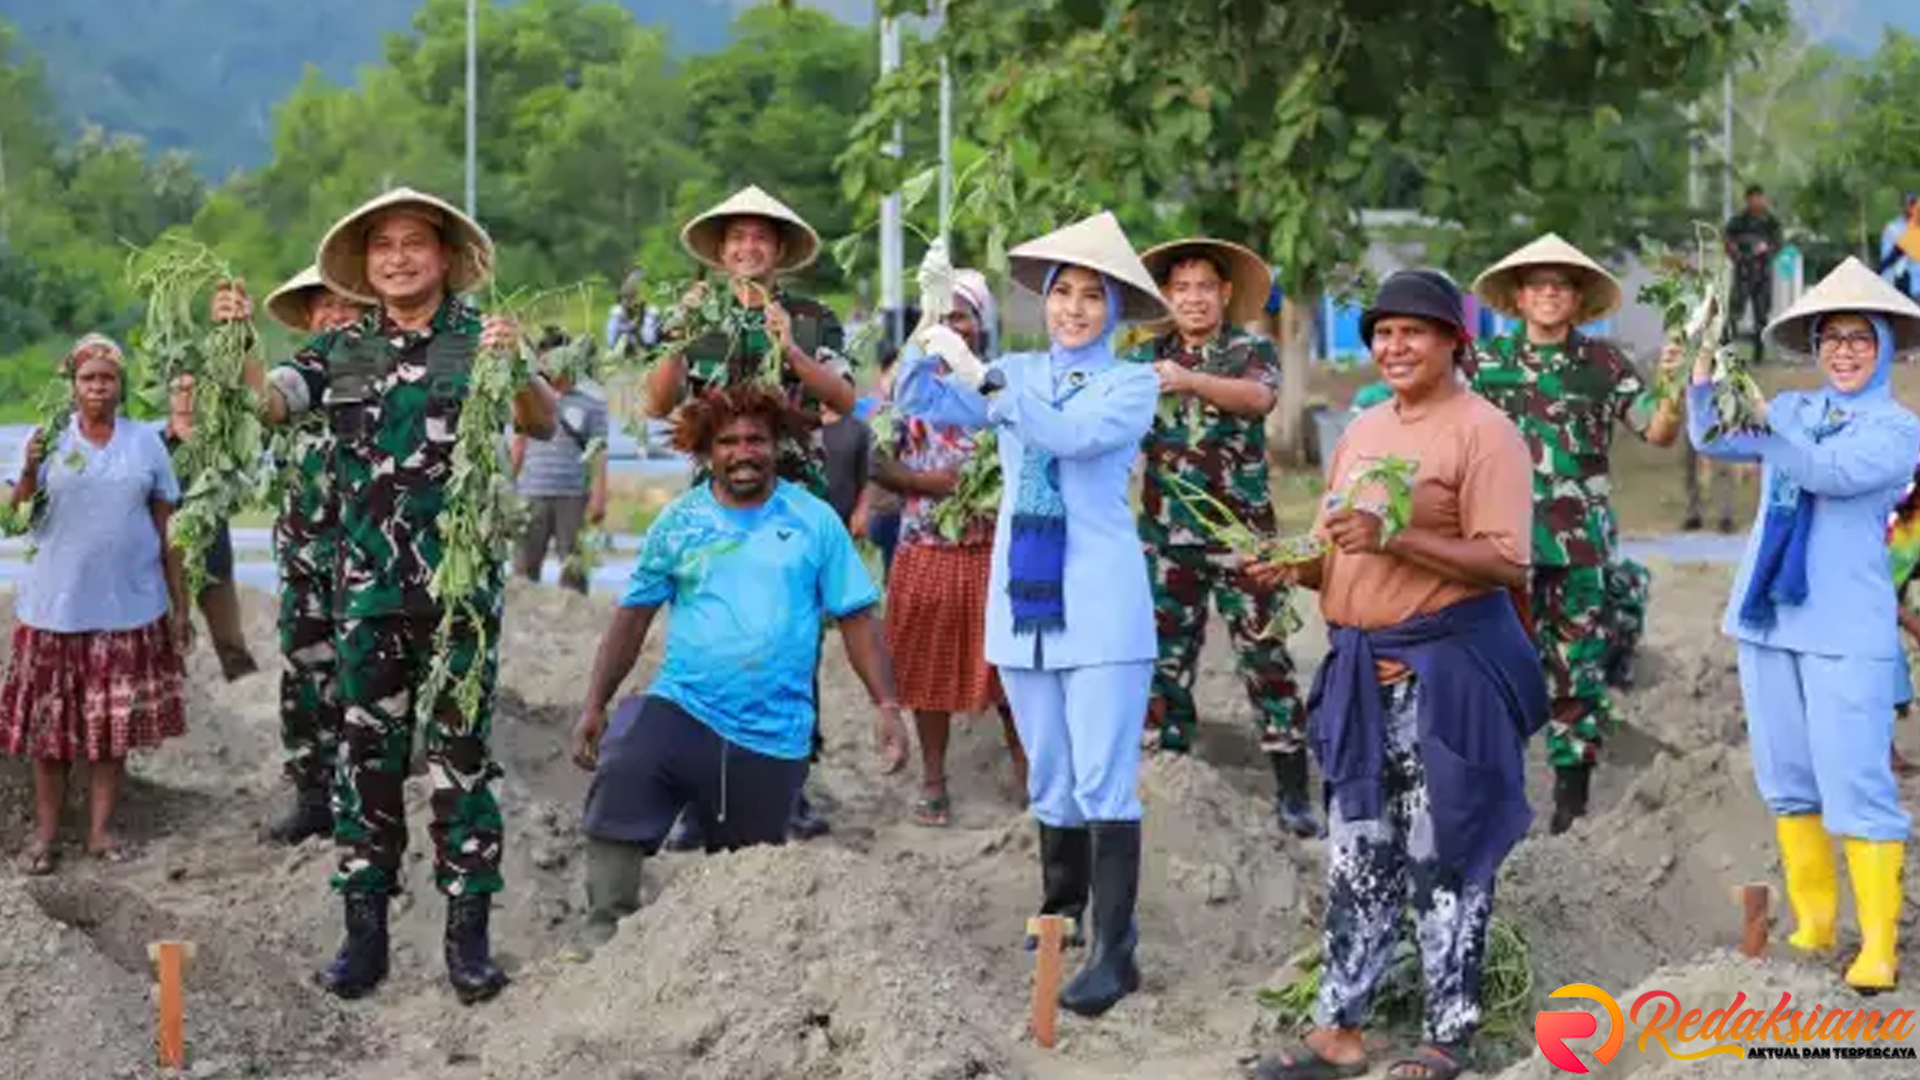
(1822, 735)
(1081, 730)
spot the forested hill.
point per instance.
(204, 75)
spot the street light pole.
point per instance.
(891, 244)
(473, 104)
(946, 136)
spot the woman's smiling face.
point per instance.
(1076, 307)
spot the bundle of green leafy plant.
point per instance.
(220, 463)
(1691, 293)
(1506, 987)
(694, 311)
(54, 407)
(976, 492)
(481, 516)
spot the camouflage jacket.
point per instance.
(1565, 401)
(718, 360)
(1222, 454)
(392, 401)
(303, 534)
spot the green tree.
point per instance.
(1865, 154)
(774, 108)
(1274, 124)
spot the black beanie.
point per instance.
(1426, 294)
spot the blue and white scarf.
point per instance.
(1780, 563)
(1037, 552)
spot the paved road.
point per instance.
(254, 566)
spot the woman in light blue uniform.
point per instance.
(1069, 611)
(1813, 606)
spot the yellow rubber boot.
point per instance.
(1813, 880)
(1875, 868)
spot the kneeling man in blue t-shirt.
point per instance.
(750, 565)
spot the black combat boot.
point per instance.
(311, 815)
(470, 966)
(361, 963)
(805, 823)
(1110, 972)
(1066, 873)
(1291, 805)
(1570, 786)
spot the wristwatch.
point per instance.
(994, 381)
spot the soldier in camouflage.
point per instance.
(1217, 383)
(303, 543)
(754, 238)
(391, 387)
(1565, 391)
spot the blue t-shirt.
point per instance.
(748, 589)
(99, 566)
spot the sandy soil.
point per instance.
(885, 952)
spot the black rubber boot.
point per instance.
(361, 963)
(1110, 972)
(1570, 786)
(1622, 670)
(311, 815)
(1291, 805)
(806, 823)
(1066, 873)
(470, 966)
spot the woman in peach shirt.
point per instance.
(1422, 709)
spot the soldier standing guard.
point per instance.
(754, 238)
(392, 386)
(1564, 391)
(304, 543)
(1217, 384)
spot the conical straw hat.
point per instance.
(343, 253)
(1251, 277)
(1096, 243)
(703, 234)
(1600, 293)
(288, 303)
(1851, 287)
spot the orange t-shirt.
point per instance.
(1475, 481)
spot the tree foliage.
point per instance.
(1274, 124)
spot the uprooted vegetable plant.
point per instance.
(220, 463)
(478, 523)
(1691, 294)
(54, 407)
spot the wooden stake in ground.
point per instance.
(1051, 932)
(1755, 923)
(170, 958)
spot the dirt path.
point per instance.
(886, 951)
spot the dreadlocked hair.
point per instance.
(703, 418)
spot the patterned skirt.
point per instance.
(937, 628)
(95, 695)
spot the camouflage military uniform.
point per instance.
(1565, 400)
(715, 362)
(304, 545)
(392, 399)
(1226, 456)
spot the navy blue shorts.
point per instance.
(656, 758)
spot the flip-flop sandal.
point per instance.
(1301, 1061)
(934, 811)
(1428, 1062)
(116, 852)
(39, 862)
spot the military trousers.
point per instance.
(1628, 585)
(1570, 630)
(1185, 581)
(309, 698)
(384, 666)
